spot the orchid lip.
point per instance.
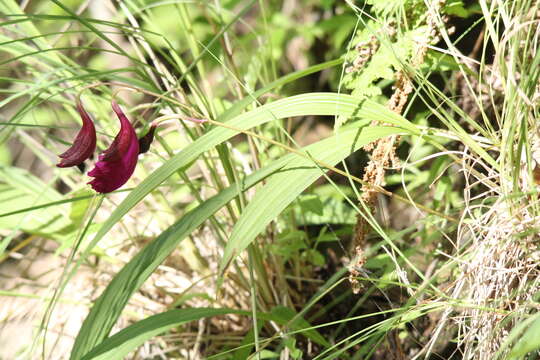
(116, 164)
(83, 145)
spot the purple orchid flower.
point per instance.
(116, 164)
(84, 144)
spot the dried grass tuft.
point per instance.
(498, 281)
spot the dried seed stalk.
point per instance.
(384, 150)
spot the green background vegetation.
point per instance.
(235, 238)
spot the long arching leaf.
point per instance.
(284, 188)
(120, 344)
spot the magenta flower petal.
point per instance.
(116, 164)
(84, 144)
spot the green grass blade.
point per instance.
(91, 27)
(10, 7)
(242, 104)
(222, 31)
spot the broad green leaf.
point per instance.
(121, 343)
(334, 211)
(529, 341)
(79, 208)
(5, 155)
(128, 339)
(311, 204)
(286, 315)
(288, 184)
(20, 189)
